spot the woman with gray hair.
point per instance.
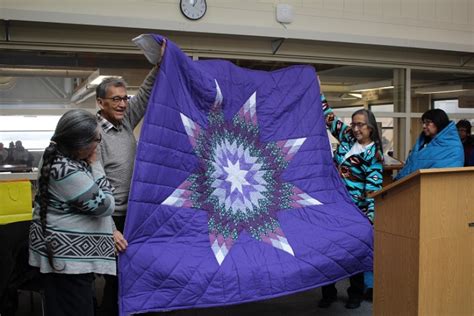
(359, 160)
(71, 232)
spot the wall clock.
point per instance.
(193, 9)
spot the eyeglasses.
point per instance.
(117, 99)
(426, 122)
(359, 125)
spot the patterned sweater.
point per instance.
(361, 173)
(79, 222)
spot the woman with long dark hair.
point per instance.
(359, 159)
(71, 232)
(438, 145)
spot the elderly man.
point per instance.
(118, 116)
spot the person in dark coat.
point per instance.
(464, 130)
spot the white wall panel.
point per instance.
(471, 12)
(444, 10)
(373, 8)
(391, 8)
(426, 10)
(461, 12)
(318, 4)
(354, 6)
(440, 24)
(337, 5)
(409, 9)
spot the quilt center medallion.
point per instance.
(238, 180)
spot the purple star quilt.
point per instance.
(235, 197)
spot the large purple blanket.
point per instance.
(235, 197)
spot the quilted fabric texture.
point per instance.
(235, 197)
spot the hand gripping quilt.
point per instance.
(235, 197)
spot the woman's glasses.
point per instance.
(359, 125)
(426, 122)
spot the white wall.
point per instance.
(432, 24)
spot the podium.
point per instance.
(424, 244)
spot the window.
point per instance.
(452, 107)
(385, 125)
(33, 131)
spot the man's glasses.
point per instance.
(117, 99)
(359, 125)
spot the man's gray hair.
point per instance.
(101, 90)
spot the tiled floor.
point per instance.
(301, 304)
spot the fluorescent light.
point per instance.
(98, 80)
(87, 89)
(442, 89)
(84, 97)
(374, 88)
(351, 96)
(356, 95)
(373, 85)
(434, 92)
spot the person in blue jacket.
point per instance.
(438, 146)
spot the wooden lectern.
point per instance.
(424, 244)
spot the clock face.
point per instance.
(193, 9)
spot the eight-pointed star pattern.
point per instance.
(238, 180)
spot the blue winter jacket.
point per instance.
(445, 150)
